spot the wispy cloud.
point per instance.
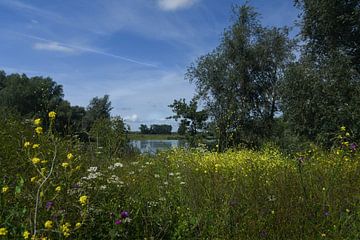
(59, 46)
(171, 5)
(52, 46)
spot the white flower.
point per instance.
(171, 174)
(92, 169)
(118, 164)
(182, 183)
(156, 175)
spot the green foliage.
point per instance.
(238, 80)
(155, 129)
(331, 25)
(99, 108)
(321, 91)
(192, 120)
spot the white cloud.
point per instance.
(170, 5)
(52, 46)
(131, 118)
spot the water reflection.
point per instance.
(152, 146)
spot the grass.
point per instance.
(177, 194)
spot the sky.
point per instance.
(136, 51)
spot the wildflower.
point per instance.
(49, 205)
(35, 160)
(36, 146)
(43, 170)
(77, 168)
(65, 229)
(353, 146)
(26, 234)
(58, 189)
(39, 130)
(83, 200)
(41, 194)
(118, 222)
(347, 134)
(343, 128)
(124, 214)
(65, 165)
(347, 210)
(27, 144)
(323, 235)
(346, 144)
(77, 225)
(49, 224)
(37, 122)
(52, 115)
(32, 179)
(5, 189)
(70, 156)
(44, 161)
(3, 231)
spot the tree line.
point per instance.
(155, 129)
(261, 85)
(33, 97)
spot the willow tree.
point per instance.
(238, 81)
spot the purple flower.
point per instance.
(118, 222)
(124, 214)
(49, 205)
(353, 146)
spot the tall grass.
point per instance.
(177, 194)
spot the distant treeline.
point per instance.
(34, 97)
(155, 129)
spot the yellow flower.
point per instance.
(37, 121)
(26, 234)
(83, 200)
(32, 179)
(347, 134)
(41, 194)
(70, 156)
(52, 115)
(35, 160)
(78, 225)
(48, 224)
(58, 189)
(77, 167)
(5, 189)
(27, 144)
(39, 130)
(346, 143)
(44, 161)
(343, 128)
(65, 229)
(36, 146)
(3, 231)
(65, 165)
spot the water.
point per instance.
(152, 146)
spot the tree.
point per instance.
(144, 129)
(99, 108)
(321, 92)
(191, 119)
(239, 80)
(331, 25)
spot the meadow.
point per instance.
(56, 187)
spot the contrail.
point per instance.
(86, 49)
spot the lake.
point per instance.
(152, 146)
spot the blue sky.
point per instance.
(137, 51)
